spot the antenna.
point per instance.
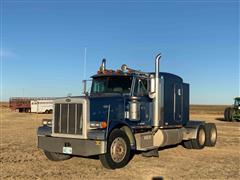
(85, 63)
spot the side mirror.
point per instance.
(85, 87)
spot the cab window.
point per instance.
(112, 84)
(140, 88)
(237, 102)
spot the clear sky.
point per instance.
(43, 42)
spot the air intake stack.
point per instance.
(103, 66)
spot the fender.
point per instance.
(191, 129)
(124, 127)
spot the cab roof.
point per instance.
(114, 74)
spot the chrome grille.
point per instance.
(68, 118)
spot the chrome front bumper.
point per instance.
(80, 147)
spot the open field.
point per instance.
(21, 159)
(208, 109)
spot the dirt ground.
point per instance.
(21, 159)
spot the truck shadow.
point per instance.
(157, 178)
(159, 149)
(168, 147)
(220, 119)
(133, 153)
(96, 157)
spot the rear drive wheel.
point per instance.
(211, 134)
(199, 142)
(231, 112)
(53, 156)
(118, 150)
(228, 114)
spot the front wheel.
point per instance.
(53, 156)
(118, 150)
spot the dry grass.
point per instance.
(207, 109)
(4, 104)
(21, 159)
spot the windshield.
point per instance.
(113, 84)
(237, 102)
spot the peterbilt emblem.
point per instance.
(68, 100)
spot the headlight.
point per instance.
(238, 107)
(47, 122)
(96, 124)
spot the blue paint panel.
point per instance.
(99, 108)
(185, 104)
(145, 115)
(176, 100)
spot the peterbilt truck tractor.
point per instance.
(126, 111)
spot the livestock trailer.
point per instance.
(42, 106)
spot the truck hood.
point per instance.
(100, 105)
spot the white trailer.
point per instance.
(42, 106)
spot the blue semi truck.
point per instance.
(126, 111)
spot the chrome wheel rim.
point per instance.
(202, 137)
(118, 149)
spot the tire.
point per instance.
(53, 156)
(187, 144)
(231, 111)
(199, 142)
(211, 134)
(228, 114)
(46, 112)
(118, 141)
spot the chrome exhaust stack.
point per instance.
(156, 99)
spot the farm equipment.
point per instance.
(126, 111)
(233, 113)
